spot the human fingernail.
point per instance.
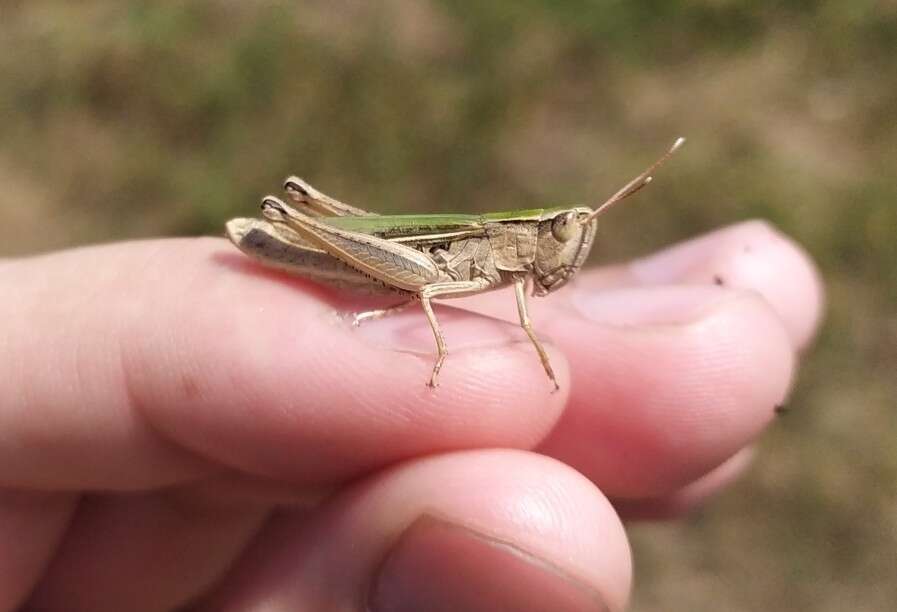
(440, 566)
(409, 331)
(750, 255)
(657, 305)
(684, 259)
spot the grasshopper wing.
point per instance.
(389, 262)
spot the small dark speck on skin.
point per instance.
(718, 280)
(747, 248)
(780, 409)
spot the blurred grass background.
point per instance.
(134, 118)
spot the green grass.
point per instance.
(128, 119)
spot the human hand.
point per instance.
(178, 425)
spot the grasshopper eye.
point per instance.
(564, 226)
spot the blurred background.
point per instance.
(132, 119)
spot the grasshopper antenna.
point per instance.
(635, 184)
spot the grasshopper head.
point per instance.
(564, 241)
(566, 235)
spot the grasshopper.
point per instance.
(419, 258)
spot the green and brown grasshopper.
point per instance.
(422, 257)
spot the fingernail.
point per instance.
(439, 566)
(409, 331)
(696, 259)
(659, 305)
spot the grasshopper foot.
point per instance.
(434, 377)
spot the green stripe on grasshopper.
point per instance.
(401, 226)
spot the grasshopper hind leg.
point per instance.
(316, 204)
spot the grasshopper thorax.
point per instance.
(564, 241)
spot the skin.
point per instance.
(181, 427)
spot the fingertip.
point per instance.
(473, 530)
(752, 255)
(657, 405)
(690, 497)
(539, 506)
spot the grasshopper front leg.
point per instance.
(526, 324)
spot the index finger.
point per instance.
(158, 362)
